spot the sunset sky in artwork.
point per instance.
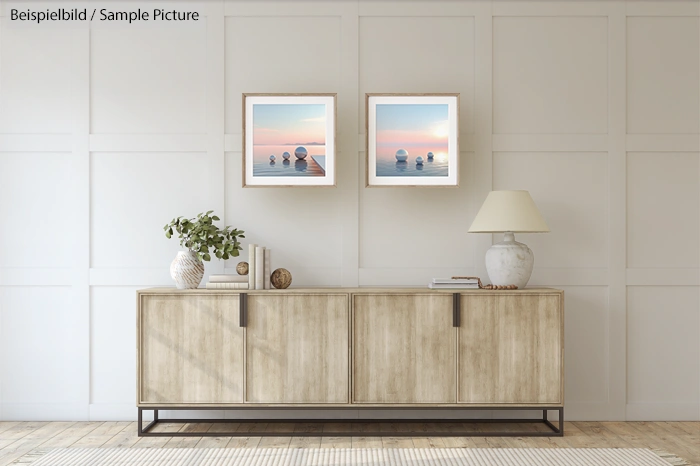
(280, 124)
(412, 125)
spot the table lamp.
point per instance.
(509, 212)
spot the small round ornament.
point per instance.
(242, 268)
(281, 279)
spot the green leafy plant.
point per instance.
(200, 234)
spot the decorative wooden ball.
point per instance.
(281, 279)
(242, 268)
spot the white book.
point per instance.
(228, 278)
(227, 286)
(455, 280)
(259, 268)
(455, 286)
(251, 266)
(267, 268)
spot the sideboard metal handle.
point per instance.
(243, 309)
(456, 298)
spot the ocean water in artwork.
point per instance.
(289, 140)
(412, 140)
(313, 164)
(437, 165)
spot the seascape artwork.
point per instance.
(412, 140)
(289, 140)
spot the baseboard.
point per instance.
(663, 411)
(574, 411)
(588, 411)
(44, 411)
(113, 412)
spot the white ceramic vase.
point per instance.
(187, 270)
(509, 262)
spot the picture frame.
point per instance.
(289, 140)
(412, 140)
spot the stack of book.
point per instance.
(259, 267)
(228, 282)
(454, 283)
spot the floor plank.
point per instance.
(20, 438)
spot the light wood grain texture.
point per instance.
(511, 349)
(297, 348)
(191, 349)
(403, 348)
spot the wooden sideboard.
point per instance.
(350, 348)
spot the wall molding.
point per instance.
(149, 142)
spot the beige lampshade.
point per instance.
(509, 211)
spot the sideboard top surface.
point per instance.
(363, 290)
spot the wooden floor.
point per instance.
(19, 438)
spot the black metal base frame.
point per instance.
(555, 431)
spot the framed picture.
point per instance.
(289, 139)
(412, 139)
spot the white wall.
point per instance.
(593, 106)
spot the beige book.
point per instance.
(251, 266)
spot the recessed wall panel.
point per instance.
(112, 344)
(133, 195)
(663, 70)
(42, 351)
(419, 55)
(38, 208)
(663, 344)
(35, 80)
(571, 191)
(280, 54)
(587, 334)
(148, 80)
(663, 209)
(550, 75)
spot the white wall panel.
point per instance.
(133, 195)
(418, 227)
(40, 346)
(587, 333)
(663, 210)
(663, 354)
(148, 80)
(550, 75)
(565, 90)
(419, 54)
(570, 190)
(301, 225)
(35, 80)
(662, 75)
(291, 54)
(35, 203)
(112, 344)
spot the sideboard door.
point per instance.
(190, 349)
(297, 348)
(403, 349)
(511, 348)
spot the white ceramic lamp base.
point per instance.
(509, 262)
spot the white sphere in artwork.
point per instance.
(301, 152)
(272, 158)
(401, 155)
(286, 156)
(419, 160)
(430, 155)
